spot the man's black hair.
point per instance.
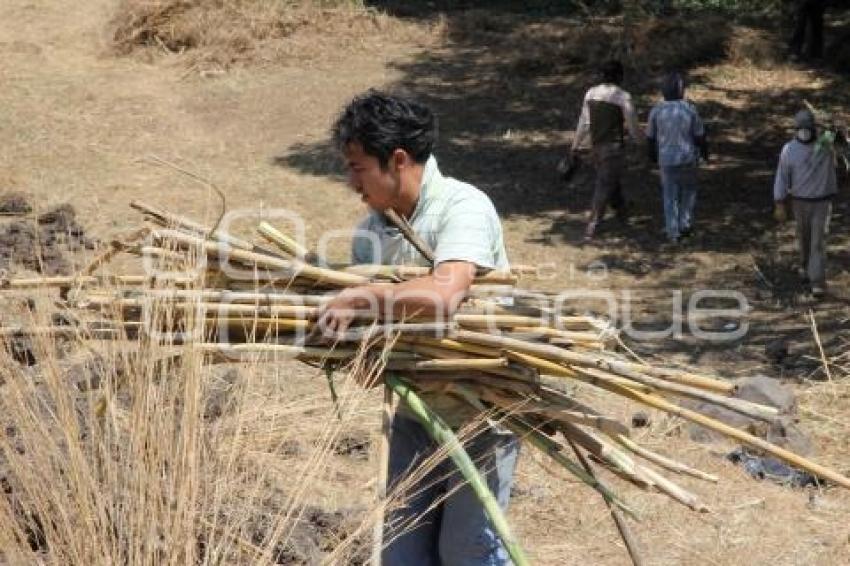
(611, 71)
(673, 86)
(382, 123)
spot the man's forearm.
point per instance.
(437, 294)
(423, 296)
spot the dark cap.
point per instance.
(804, 120)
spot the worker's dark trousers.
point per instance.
(809, 14)
(610, 162)
(812, 219)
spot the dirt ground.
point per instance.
(80, 125)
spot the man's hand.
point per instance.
(336, 315)
(780, 211)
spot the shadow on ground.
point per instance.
(507, 84)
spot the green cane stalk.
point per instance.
(443, 435)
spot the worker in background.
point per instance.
(806, 177)
(808, 16)
(676, 141)
(607, 115)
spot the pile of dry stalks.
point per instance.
(222, 34)
(211, 294)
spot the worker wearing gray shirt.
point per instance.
(806, 176)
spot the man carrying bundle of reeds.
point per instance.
(676, 140)
(606, 114)
(387, 144)
(806, 176)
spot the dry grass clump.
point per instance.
(131, 455)
(225, 33)
(750, 46)
(681, 42)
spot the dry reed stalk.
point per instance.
(168, 219)
(688, 378)
(606, 453)
(585, 375)
(607, 425)
(586, 364)
(747, 408)
(266, 298)
(625, 465)
(592, 346)
(553, 411)
(284, 242)
(816, 335)
(622, 527)
(663, 461)
(503, 321)
(731, 432)
(449, 365)
(293, 311)
(289, 269)
(625, 369)
(673, 490)
(453, 345)
(402, 224)
(75, 280)
(425, 379)
(175, 259)
(110, 331)
(566, 335)
(353, 334)
(285, 350)
(383, 472)
(115, 247)
(555, 451)
(511, 372)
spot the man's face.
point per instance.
(377, 187)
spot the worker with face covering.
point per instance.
(806, 177)
(676, 141)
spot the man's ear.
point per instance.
(399, 159)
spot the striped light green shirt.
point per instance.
(458, 222)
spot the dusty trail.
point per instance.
(77, 120)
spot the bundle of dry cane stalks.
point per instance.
(516, 361)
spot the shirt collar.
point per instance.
(430, 176)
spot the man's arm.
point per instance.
(583, 126)
(438, 294)
(651, 137)
(700, 135)
(782, 183)
(631, 119)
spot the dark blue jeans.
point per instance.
(442, 522)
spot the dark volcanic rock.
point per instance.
(14, 202)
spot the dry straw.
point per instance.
(492, 357)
